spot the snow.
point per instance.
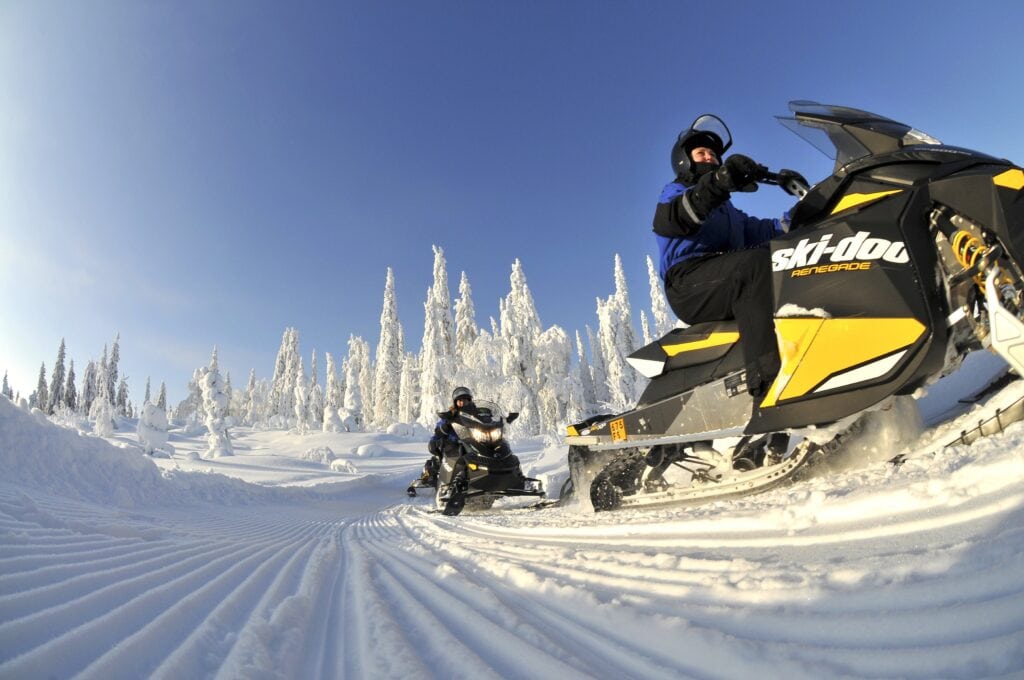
(301, 557)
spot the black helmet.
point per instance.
(707, 130)
(461, 393)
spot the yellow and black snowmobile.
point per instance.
(904, 260)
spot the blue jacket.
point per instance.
(443, 435)
(726, 229)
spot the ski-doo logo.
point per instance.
(857, 250)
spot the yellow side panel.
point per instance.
(572, 431)
(813, 349)
(713, 340)
(853, 200)
(1011, 179)
(795, 337)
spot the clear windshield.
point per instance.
(845, 134)
(483, 412)
(479, 416)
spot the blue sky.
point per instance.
(193, 174)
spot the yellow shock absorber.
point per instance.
(968, 249)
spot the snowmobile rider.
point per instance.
(445, 442)
(713, 257)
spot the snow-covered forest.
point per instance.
(549, 375)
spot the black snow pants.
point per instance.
(738, 286)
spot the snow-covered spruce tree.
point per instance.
(112, 369)
(409, 390)
(89, 387)
(249, 413)
(70, 392)
(315, 406)
(333, 398)
(190, 410)
(514, 395)
(436, 361)
(335, 393)
(480, 367)
(55, 398)
(520, 328)
(286, 376)
(301, 413)
(645, 328)
(6, 389)
(618, 341)
(41, 398)
(366, 384)
(560, 397)
(386, 389)
(585, 379)
(315, 397)
(161, 400)
(121, 405)
(215, 404)
(465, 320)
(662, 316)
(102, 409)
(102, 380)
(355, 367)
(231, 395)
(477, 359)
(598, 366)
(147, 398)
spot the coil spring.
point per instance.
(968, 249)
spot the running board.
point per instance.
(717, 409)
(603, 444)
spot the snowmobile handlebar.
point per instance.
(793, 187)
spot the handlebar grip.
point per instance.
(794, 187)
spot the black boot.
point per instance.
(776, 448)
(659, 458)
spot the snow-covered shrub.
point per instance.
(341, 465)
(370, 451)
(152, 430)
(102, 414)
(319, 454)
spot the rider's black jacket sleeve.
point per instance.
(672, 219)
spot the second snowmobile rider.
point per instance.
(445, 442)
(709, 254)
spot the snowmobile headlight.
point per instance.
(487, 436)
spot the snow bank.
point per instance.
(37, 454)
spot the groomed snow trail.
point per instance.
(878, 572)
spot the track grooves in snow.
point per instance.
(875, 572)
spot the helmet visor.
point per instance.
(707, 130)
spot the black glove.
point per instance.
(740, 173)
